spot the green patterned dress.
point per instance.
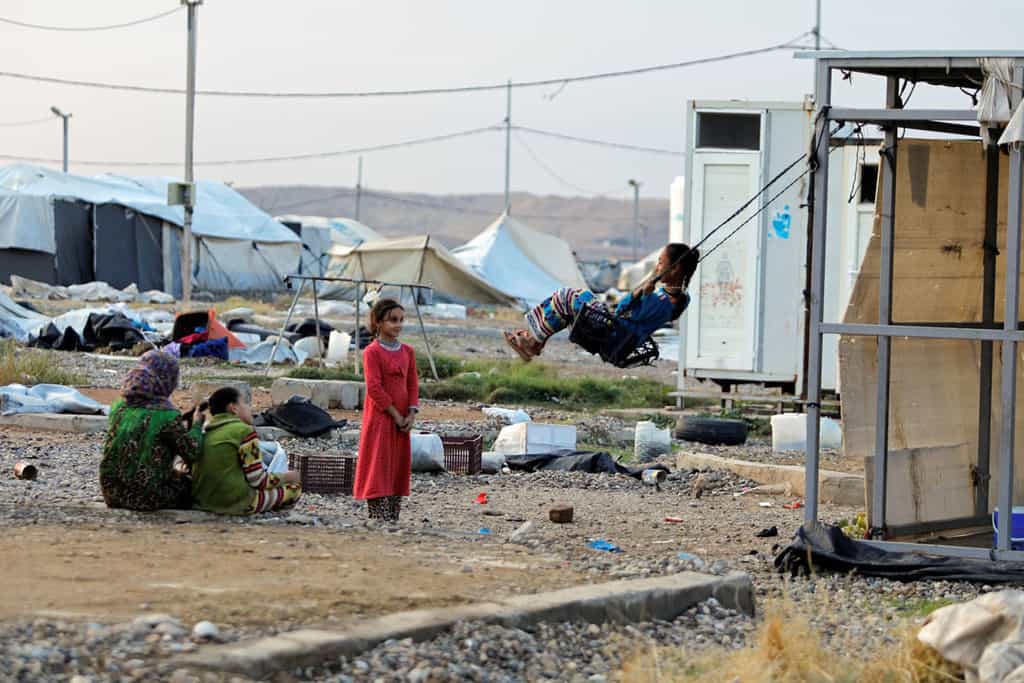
(137, 470)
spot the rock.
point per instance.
(519, 534)
(154, 620)
(79, 679)
(206, 632)
(168, 628)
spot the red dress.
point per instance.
(385, 457)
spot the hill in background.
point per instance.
(596, 228)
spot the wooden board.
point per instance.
(938, 266)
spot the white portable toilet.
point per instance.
(745, 323)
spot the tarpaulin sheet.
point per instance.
(47, 398)
(594, 462)
(300, 417)
(827, 547)
(112, 330)
(17, 321)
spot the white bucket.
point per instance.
(337, 348)
(789, 433)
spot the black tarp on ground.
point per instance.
(307, 328)
(300, 417)
(101, 330)
(593, 462)
(128, 248)
(73, 232)
(829, 548)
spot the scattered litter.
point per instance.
(650, 443)
(795, 505)
(767, 490)
(654, 477)
(687, 557)
(518, 534)
(561, 514)
(770, 532)
(481, 499)
(674, 520)
(485, 531)
(47, 398)
(765, 504)
(606, 546)
(25, 470)
(205, 632)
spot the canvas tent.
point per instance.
(319, 234)
(65, 229)
(412, 260)
(520, 261)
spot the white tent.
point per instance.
(632, 275)
(520, 261)
(411, 260)
(319, 234)
(65, 229)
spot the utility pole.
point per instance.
(636, 214)
(359, 186)
(190, 115)
(817, 25)
(65, 118)
(508, 145)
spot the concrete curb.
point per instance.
(663, 597)
(839, 488)
(56, 422)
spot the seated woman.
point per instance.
(145, 436)
(661, 299)
(229, 476)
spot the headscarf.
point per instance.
(151, 383)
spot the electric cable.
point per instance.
(602, 143)
(414, 91)
(32, 122)
(551, 172)
(109, 27)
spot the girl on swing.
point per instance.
(660, 299)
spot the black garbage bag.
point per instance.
(593, 462)
(300, 417)
(112, 330)
(827, 548)
(308, 327)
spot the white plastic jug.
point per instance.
(337, 348)
(789, 433)
(650, 442)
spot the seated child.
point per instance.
(229, 476)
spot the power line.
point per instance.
(418, 91)
(108, 27)
(551, 172)
(602, 143)
(260, 160)
(32, 122)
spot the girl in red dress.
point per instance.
(389, 412)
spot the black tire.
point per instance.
(714, 431)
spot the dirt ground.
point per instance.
(217, 571)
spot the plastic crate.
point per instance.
(328, 474)
(463, 454)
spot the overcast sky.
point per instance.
(318, 45)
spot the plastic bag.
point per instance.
(511, 416)
(427, 453)
(994, 99)
(650, 442)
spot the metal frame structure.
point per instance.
(414, 289)
(947, 69)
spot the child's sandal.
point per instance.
(514, 341)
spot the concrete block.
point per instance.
(663, 597)
(317, 391)
(201, 390)
(56, 422)
(839, 488)
(326, 394)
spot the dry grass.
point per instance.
(258, 307)
(788, 650)
(28, 366)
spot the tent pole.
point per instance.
(287, 319)
(355, 356)
(508, 146)
(423, 331)
(319, 337)
(190, 115)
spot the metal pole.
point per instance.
(316, 316)
(423, 330)
(988, 308)
(636, 215)
(1011, 316)
(356, 335)
(190, 108)
(508, 146)
(359, 187)
(823, 98)
(817, 25)
(287, 319)
(65, 165)
(887, 223)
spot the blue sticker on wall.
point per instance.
(781, 223)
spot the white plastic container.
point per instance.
(531, 438)
(789, 433)
(650, 442)
(337, 348)
(311, 346)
